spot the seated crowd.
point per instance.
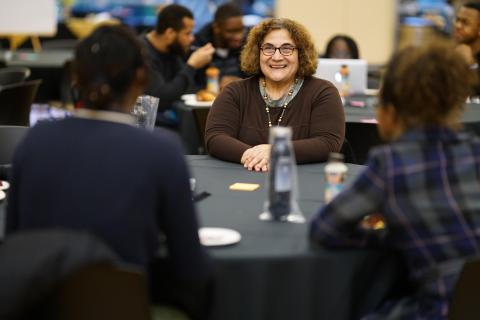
(423, 183)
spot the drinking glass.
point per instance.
(145, 111)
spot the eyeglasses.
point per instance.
(285, 50)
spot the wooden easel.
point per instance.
(17, 40)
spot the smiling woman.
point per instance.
(281, 58)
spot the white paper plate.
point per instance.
(189, 96)
(4, 185)
(218, 236)
(195, 103)
(2, 195)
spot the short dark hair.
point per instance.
(172, 17)
(351, 44)
(227, 11)
(472, 5)
(426, 84)
(101, 74)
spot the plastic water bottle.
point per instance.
(281, 175)
(282, 187)
(335, 174)
(213, 81)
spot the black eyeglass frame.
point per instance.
(280, 49)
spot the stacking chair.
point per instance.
(348, 152)
(10, 137)
(40, 268)
(11, 75)
(464, 304)
(16, 101)
(101, 292)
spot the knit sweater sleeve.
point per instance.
(327, 127)
(223, 125)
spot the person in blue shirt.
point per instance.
(423, 186)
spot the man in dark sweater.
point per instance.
(467, 35)
(171, 73)
(227, 34)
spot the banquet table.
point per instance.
(275, 272)
(361, 126)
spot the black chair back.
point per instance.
(348, 152)
(16, 101)
(464, 303)
(103, 292)
(39, 267)
(200, 115)
(11, 75)
(10, 137)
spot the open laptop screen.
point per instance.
(329, 69)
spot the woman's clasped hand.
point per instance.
(256, 158)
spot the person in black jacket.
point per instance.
(97, 172)
(227, 34)
(171, 73)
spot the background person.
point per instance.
(341, 47)
(467, 31)
(227, 34)
(99, 173)
(281, 92)
(424, 184)
(203, 9)
(467, 35)
(171, 72)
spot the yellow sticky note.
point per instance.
(239, 186)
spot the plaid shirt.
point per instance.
(426, 187)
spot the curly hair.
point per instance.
(307, 54)
(427, 85)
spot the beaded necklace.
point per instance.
(269, 103)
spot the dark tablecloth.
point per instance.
(275, 272)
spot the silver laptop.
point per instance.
(329, 69)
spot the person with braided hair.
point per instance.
(98, 172)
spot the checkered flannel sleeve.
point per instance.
(337, 223)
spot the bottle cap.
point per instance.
(212, 72)
(335, 157)
(281, 131)
(344, 70)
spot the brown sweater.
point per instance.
(238, 121)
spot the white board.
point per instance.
(31, 17)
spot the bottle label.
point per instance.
(283, 176)
(335, 178)
(332, 190)
(212, 85)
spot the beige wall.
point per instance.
(370, 22)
